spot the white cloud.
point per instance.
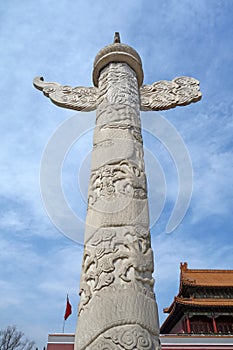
(39, 266)
(12, 220)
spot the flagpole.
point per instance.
(68, 312)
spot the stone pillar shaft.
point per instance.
(117, 308)
(117, 191)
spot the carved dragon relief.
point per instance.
(135, 132)
(109, 90)
(122, 178)
(117, 255)
(159, 96)
(117, 113)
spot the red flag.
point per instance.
(68, 308)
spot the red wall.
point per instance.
(179, 327)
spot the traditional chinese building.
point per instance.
(204, 304)
(200, 317)
(168, 342)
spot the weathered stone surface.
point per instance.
(169, 94)
(117, 307)
(158, 96)
(78, 98)
(116, 290)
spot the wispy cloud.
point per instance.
(38, 265)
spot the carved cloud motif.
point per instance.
(160, 95)
(78, 98)
(169, 94)
(130, 338)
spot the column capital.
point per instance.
(117, 52)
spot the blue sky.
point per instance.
(60, 40)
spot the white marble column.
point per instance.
(117, 307)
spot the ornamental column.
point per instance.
(117, 307)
